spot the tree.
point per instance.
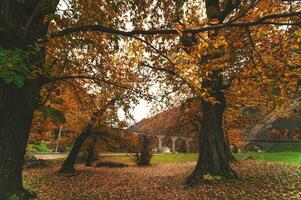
(145, 151)
(22, 26)
(31, 60)
(90, 155)
(26, 68)
(211, 59)
(68, 165)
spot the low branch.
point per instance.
(109, 30)
(294, 67)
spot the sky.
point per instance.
(141, 111)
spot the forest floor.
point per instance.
(258, 180)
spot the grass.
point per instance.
(286, 146)
(286, 157)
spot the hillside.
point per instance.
(181, 121)
(282, 123)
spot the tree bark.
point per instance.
(91, 153)
(68, 165)
(22, 24)
(16, 112)
(214, 149)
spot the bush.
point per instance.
(31, 148)
(110, 164)
(145, 153)
(35, 148)
(42, 148)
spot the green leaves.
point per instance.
(13, 66)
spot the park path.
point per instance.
(54, 156)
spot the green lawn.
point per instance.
(286, 146)
(288, 157)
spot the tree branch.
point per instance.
(64, 78)
(109, 30)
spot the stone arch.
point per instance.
(167, 142)
(253, 146)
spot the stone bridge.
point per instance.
(173, 138)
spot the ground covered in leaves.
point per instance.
(258, 180)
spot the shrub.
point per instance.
(31, 148)
(42, 148)
(145, 153)
(110, 164)
(35, 148)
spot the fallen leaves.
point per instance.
(258, 180)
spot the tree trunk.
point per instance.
(68, 165)
(91, 153)
(22, 24)
(214, 150)
(16, 112)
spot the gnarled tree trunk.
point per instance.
(16, 112)
(68, 165)
(214, 150)
(22, 24)
(91, 153)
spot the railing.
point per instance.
(270, 140)
(157, 133)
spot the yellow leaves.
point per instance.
(262, 33)
(202, 45)
(220, 42)
(298, 34)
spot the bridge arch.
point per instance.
(253, 146)
(175, 143)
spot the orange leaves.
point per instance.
(214, 21)
(264, 4)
